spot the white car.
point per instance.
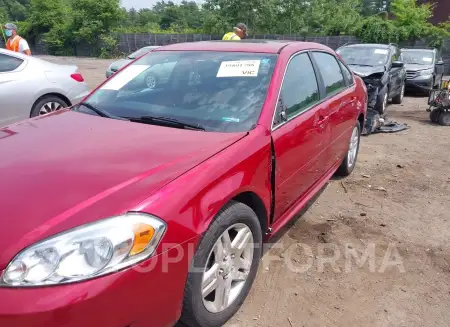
(30, 86)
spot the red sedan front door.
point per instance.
(300, 134)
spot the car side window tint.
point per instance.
(347, 74)
(300, 89)
(330, 71)
(8, 63)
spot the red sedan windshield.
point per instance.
(219, 91)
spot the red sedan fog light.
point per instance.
(78, 77)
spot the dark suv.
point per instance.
(380, 67)
(424, 68)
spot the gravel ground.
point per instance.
(394, 208)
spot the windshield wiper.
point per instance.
(100, 112)
(166, 121)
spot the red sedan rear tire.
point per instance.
(349, 162)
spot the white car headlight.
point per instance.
(427, 72)
(86, 252)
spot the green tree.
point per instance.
(375, 29)
(168, 13)
(65, 23)
(372, 7)
(133, 17)
(147, 16)
(410, 22)
(3, 15)
(15, 10)
(46, 14)
(412, 18)
(333, 17)
(93, 19)
(191, 14)
(259, 15)
(284, 17)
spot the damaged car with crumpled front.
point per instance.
(382, 72)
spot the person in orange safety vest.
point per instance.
(15, 42)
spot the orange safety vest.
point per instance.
(13, 43)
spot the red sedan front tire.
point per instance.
(223, 268)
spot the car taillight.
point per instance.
(78, 77)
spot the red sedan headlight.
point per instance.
(86, 252)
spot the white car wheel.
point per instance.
(48, 104)
(49, 107)
(150, 81)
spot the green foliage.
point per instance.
(109, 46)
(378, 30)
(3, 15)
(215, 24)
(45, 15)
(373, 7)
(410, 23)
(92, 19)
(344, 13)
(64, 24)
(15, 10)
(411, 19)
(58, 40)
(145, 17)
(23, 27)
(435, 35)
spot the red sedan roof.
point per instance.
(263, 46)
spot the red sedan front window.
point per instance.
(219, 91)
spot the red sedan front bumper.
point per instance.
(149, 296)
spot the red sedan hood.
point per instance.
(63, 170)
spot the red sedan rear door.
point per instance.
(340, 101)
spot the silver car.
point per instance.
(115, 66)
(30, 87)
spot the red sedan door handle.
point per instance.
(322, 120)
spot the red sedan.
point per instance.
(144, 204)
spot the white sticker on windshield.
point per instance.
(239, 68)
(125, 76)
(381, 51)
(427, 59)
